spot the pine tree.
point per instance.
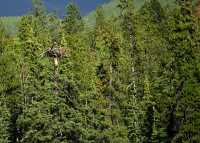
(133, 78)
(3, 37)
(182, 85)
(72, 21)
(38, 9)
(153, 46)
(100, 18)
(60, 118)
(4, 121)
(107, 119)
(8, 72)
(134, 89)
(36, 80)
(9, 83)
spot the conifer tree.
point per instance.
(72, 21)
(152, 45)
(8, 71)
(3, 37)
(133, 78)
(35, 79)
(107, 115)
(38, 9)
(62, 113)
(9, 83)
(4, 122)
(182, 87)
(6, 85)
(134, 89)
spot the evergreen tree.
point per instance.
(72, 21)
(100, 18)
(3, 37)
(153, 47)
(7, 84)
(38, 9)
(8, 72)
(4, 121)
(133, 90)
(36, 83)
(179, 75)
(107, 114)
(133, 78)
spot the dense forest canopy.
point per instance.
(130, 77)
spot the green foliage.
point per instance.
(73, 20)
(3, 37)
(132, 78)
(49, 120)
(8, 69)
(38, 8)
(4, 121)
(184, 82)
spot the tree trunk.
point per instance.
(56, 75)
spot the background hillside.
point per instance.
(110, 9)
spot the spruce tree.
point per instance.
(38, 8)
(36, 80)
(7, 84)
(133, 78)
(106, 112)
(153, 47)
(4, 121)
(134, 89)
(182, 84)
(72, 21)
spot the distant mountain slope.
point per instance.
(111, 9)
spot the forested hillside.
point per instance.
(111, 9)
(132, 78)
